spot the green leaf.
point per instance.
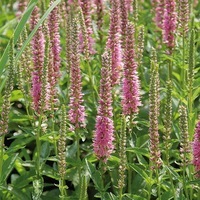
(45, 150)
(51, 194)
(134, 197)
(50, 172)
(24, 179)
(196, 93)
(137, 150)
(16, 95)
(19, 143)
(73, 162)
(174, 173)
(167, 195)
(141, 172)
(8, 166)
(95, 176)
(110, 196)
(18, 194)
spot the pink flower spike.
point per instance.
(131, 96)
(77, 110)
(114, 43)
(86, 6)
(169, 24)
(103, 137)
(36, 89)
(159, 13)
(38, 48)
(196, 150)
(103, 145)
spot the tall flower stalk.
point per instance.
(53, 25)
(122, 156)
(24, 69)
(168, 121)
(62, 153)
(103, 137)
(131, 86)
(168, 129)
(38, 49)
(190, 81)
(185, 149)
(154, 104)
(39, 92)
(76, 112)
(104, 128)
(53, 38)
(183, 22)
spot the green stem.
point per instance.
(183, 67)
(78, 155)
(170, 69)
(158, 184)
(38, 147)
(198, 194)
(171, 180)
(130, 158)
(190, 107)
(102, 177)
(62, 188)
(129, 174)
(120, 193)
(191, 178)
(1, 153)
(191, 131)
(91, 81)
(184, 181)
(150, 179)
(52, 129)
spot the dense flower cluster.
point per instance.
(196, 149)
(185, 145)
(86, 8)
(38, 49)
(159, 13)
(169, 24)
(183, 15)
(77, 110)
(54, 72)
(4, 116)
(99, 11)
(124, 22)
(154, 104)
(114, 42)
(103, 138)
(131, 97)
